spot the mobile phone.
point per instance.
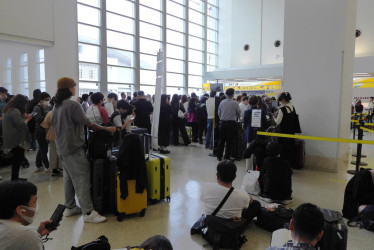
(56, 217)
(32, 114)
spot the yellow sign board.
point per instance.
(361, 83)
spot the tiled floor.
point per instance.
(190, 168)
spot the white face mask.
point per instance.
(45, 103)
(28, 218)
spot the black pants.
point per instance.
(252, 211)
(42, 155)
(18, 155)
(202, 129)
(288, 151)
(178, 124)
(195, 130)
(227, 132)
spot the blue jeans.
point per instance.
(209, 134)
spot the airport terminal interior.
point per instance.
(322, 53)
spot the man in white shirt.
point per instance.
(243, 106)
(239, 204)
(210, 107)
(111, 104)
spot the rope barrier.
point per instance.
(366, 129)
(316, 138)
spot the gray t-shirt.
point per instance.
(229, 110)
(15, 236)
(68, 121)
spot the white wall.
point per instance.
(31, 19)
(365, 21)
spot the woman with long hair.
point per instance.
(178, 123)
(192, 118)
(164, 126)
(16, 136)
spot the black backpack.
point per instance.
(290, 122)
(100, 243)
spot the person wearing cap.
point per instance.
(123, 116)
(40, 111)
(275, 176)
(68, 121)
(228, 112)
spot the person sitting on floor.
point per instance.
(239, 204)
(306, 227)
(18, 208)
(275, 176)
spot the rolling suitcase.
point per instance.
(143, 133)
(300, 153)
(335, 233)
(103, 183)
(134, 203)
(158, 170)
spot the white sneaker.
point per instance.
(94, 217)
(39, 170)
(73, 211)
(268, 200)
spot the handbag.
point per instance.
(191, 117)
(250, 182)
(200, 224)
(180, 114)
(274, 220)
(100, 243)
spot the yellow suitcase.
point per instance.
(134, 203)
(158, 170)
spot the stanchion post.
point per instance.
(358, 162)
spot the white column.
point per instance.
(318, 69)
(62, 58)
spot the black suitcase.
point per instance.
(103, 184)
(274, 220)
(300, 153)
(99, 144)
(335, 233)
(144, 138)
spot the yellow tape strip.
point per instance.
(338, 181)
(366, 129)
(369, 124)
(356, 121)
(316, 138)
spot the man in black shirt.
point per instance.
(143, 109)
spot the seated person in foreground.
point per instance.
(18, 207)
(239, 204)
(123, 117)
(306, 228)
(96, 112)
(275, 176)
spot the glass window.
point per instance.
(95, 3)
(195, 43)
(179, 1)
(215, 2)
(23, 89)
(119, 88)
(171, 91)
(212, 11)
(23, 74)
(212, 47)
(148, 90)
(40, 56)
(197, 5)
(122, 7)
(120, 58)
(8, 63)
(88, 34)
(88, 72)
(197, 91)
(119, 40)
(41, 76)
(148, 77)
(148, 62)
(211, 59)
(149, 46)
(196, 17)
(175, 51)
(120, 23)
(87, 87)
(150, 31)
(88, 53)
(88, 15)
(210, 68)
(23, 59)
(174, 66)
(149, 15)
(195, 81)
(212, 35)
(174, 79)
(175, 37)
(175, 23)
(212, 23)
(8, 76)
(195, 30)
(195, 56)
(156, 4)
(118, 74)
(195, 68)
(175, 9)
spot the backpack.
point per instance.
(290, 123)
(100, 243)
(274, 220)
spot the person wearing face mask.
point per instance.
(111, 104)
(18, 208)
(123, 117)
(40, 112)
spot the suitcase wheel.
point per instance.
(168, 198)
(120, 216)
(142, 213)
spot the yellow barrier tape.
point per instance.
(338, 181)
(366, 129)
(316, 138)
(356, 121)
(369, 124)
